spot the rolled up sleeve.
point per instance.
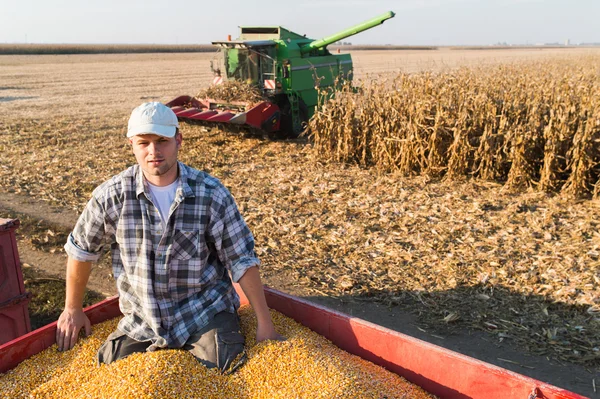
(87, 240)
(74, 251)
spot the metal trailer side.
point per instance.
(440, 371)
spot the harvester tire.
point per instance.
(286, 126)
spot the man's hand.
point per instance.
(264, 333)
(69, 324)
(253, 288)
(72, 319)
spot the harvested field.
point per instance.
(86, 86)
(521, 266)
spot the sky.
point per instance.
(417, 22)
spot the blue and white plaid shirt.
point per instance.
(171, 281)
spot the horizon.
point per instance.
(417, 23)
(391, 46)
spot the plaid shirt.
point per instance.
(171, 283)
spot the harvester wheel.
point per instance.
(287, 130)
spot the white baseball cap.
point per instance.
(152, 118)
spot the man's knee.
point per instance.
(118, 346)
(220, 344)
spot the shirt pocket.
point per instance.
(185, 244)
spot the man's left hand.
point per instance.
(264, 333)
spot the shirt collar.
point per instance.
(141, 185)
(183, 178)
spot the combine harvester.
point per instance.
(442, 372)
(289, 70)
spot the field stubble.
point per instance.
(523, 266)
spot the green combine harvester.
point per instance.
(287, 68)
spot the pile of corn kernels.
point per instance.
(306, 365)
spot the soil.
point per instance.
(46, 266)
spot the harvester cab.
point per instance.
(287, 69)
(252, 62)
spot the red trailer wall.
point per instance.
(439, 371)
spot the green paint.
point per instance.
(298, 65)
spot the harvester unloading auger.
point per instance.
(289, 70)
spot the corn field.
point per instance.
(532, 124)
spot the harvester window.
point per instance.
(251, 65)
(241, 65)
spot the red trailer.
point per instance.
(14, 316)
(440, 371)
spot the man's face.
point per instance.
(157, 156)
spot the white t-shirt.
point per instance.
(163, 198)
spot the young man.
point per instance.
(177, 241)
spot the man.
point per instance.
(175, 235)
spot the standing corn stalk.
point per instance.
(529, 125)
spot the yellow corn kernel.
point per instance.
(307, 365)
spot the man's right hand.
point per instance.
(72, 319)
(69, 324)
